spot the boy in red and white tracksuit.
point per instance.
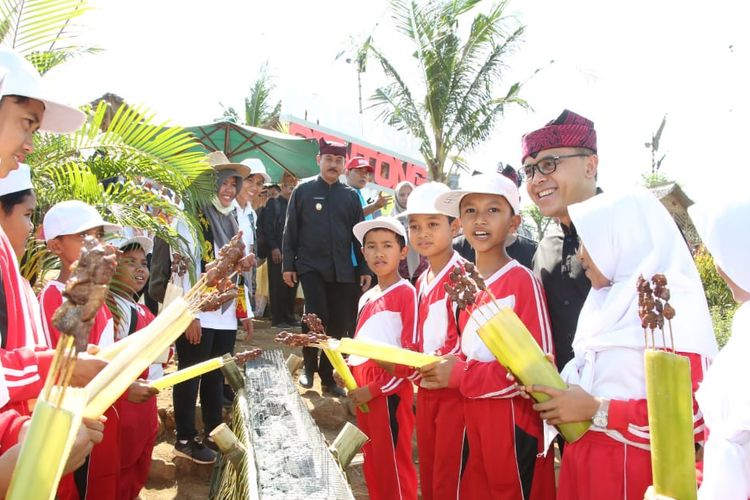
(64, 228)
(440, 412)
(387, 315)
(507, 458)
(505, 435)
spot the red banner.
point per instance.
(389, 168)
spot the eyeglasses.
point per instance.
(546, 165)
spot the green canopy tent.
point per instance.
(277, 151)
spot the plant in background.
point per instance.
(113, 161)
(719, 297)
(43, 30)
(260, 111)
(541, 222)
(456, 101)
(114, 170)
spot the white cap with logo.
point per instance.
(257, 168)
(449, 203)
(17, 180)
(18, 77)
(391, 223)
(422, 200)
(73, 217)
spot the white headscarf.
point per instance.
(628, 235)
(725, 230)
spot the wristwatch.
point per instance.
(600, 418)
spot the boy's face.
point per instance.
(382, 251)
(487, 220)
(430, 234)
(18, 122)
(68, 246)
(132, 271)
(17, 224)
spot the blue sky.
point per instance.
(624, 65)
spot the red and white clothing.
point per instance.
(138, 422)
(628, 235)
(506, 444)
(24, 366)
(388, 317)
(99, 477)
(102, 332)
(440, 414)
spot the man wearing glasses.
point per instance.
(560, 168)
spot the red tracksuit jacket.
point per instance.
(440, 413)
(388, 317)
(138, 429)
(504, 433)
(99, 477)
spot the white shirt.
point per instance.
(248, 232)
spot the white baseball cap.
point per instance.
(73, 217)
(19, 77)
(422, 199)
(17, 180)
(147, 244)
(448, 203)
(391, 223)
(256, 168)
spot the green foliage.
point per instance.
(722, 321)
(719, 297)
(130, 151)
(541, 222)
(654, 179)
(717, 291)
(260, 111)
(456, 102)
(42, 30)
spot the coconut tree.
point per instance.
(260, 111)
(455, 101)
(123, 163)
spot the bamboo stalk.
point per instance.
(338, 363)
(670, 420)
(115, 378)
(187, 373)
(46, 448)
(347, 444)
(382, 352)
(514, 347)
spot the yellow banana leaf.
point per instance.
(46, 447)
(116, 377)
(514, 347)
(670, 420)
(382, 352)
(187, 373)
(338, 363)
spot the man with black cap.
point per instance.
(317, 251)
(560, 168)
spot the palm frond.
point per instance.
(38, 25)
(44, 61)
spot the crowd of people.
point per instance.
(376, 269)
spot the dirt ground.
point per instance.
(191, 481)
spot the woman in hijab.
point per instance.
(218, 329)
(622, 237)
(413, 266)
(725, 403)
